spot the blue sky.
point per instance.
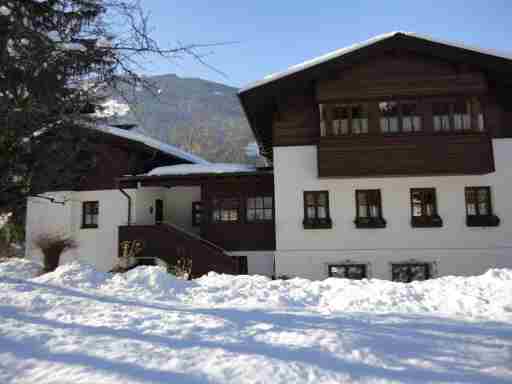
(272, 35)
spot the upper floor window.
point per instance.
(424, 208)
(343, 119)
(458, 115)
(90, 213)
(478, 207)
(316, 210)
(259, 208)
(369, 209)
(226, 210)
(399, 116)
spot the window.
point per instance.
(407, 272)
(343, 119)
(478, 207)
(458, 115)
(369, 209)
(316, 210)
(197, 212)
(226, 210)
(348, 271)
(259, 209)
(399, 116)
(424, 208)
(90, 212)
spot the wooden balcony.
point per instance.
(170, 244)
(405, 155)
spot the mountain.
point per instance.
(199, 116)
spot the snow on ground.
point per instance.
(82, 326)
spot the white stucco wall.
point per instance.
(258, 262)
(97, 246)
(456, 248)
(144, 204)
(178, 203)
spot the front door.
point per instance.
(159, 211)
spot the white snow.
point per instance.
(354, 47)
(77, 325)
(153, 143)
(113, 108)
(20, 269)
(190, 169)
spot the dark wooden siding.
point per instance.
(240, 235)
(404, 155)
(297, 120)
(400, 75)
(170, 243)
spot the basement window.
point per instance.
(348, 271)
(407, 272)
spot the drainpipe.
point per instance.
(129, 204)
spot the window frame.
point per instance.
(474, 117)
(480, 220)
(369, 221)
(409, 265)
(327, 120)
(346, 266)
(424, 220)
(197, 209)
(263, 209)
(315, 222)
(400, 116)
(85, 224)
(217, 204)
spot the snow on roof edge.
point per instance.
(194, 169)
(153, 143)
(354, 47)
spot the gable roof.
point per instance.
(258, 99)
(153, 144)
(346, 50)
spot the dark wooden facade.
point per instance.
(116, 156)
(171, 245)
(285, 112)
(240, 235)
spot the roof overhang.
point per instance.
(259, 99)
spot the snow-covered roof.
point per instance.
(354, 47)
(153, 143)
(194, 169)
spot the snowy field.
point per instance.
(76, 325)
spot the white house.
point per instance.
(390, 159)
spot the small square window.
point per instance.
(348, 271)
(90, 213)
(259, 209)
(407, 272)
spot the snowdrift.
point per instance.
(488, 296)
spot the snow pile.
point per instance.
(75, 275)
(20, 269)
(146, 326)
(191, 169)
(113, 108)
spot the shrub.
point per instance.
(52, 246)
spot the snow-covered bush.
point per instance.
(52, 246)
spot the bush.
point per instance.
(52, 247)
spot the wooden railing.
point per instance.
(172, 244)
